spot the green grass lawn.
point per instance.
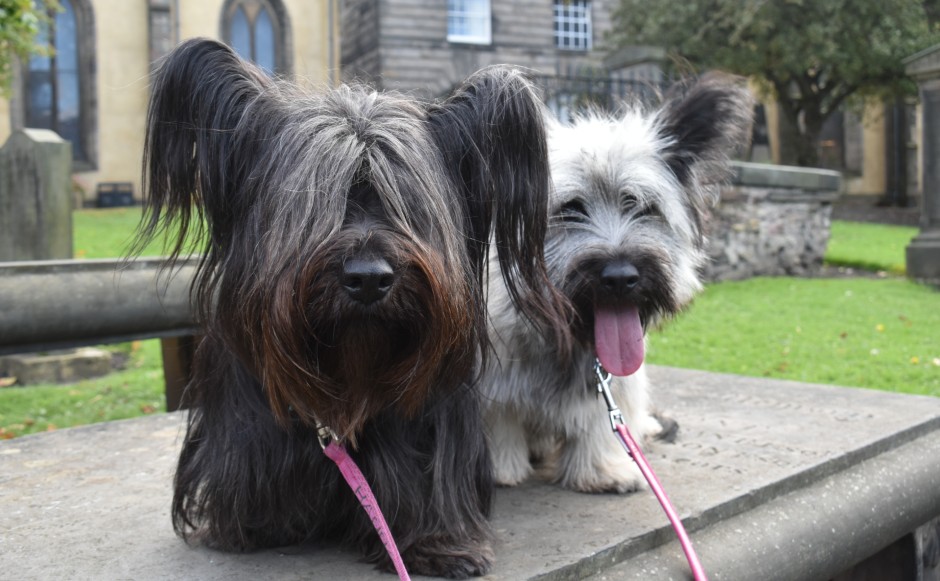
(869, 246)
(875, 333)
(106, 233)
(134, 391)
(109, 233)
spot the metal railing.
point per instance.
(54, 304)
(568, 95)
(58, 304)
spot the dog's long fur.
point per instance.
(283, 188)
(630, 189)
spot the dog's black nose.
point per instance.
(367, 280)
(619, 277)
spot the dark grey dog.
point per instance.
(345, 235)
(624, 245)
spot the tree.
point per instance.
(810, 55)
(20, 22)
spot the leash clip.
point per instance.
(604, 378)
(325, 435)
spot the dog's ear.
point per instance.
(491, 133)
(703, 123)
(193, 156)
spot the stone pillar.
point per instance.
(35, 196)
(923, 253)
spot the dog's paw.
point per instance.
(510, 467)
(511, 475)
(436, 557)
(668, 428)
(611, 476)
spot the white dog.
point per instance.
(624, 245)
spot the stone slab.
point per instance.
(924, 65)
(782, 176)
(815, 532)
(57, 367)
(93, 502)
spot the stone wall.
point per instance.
(771, 221)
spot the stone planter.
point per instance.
(771, 221)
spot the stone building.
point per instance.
(426, 47)
(94, 91)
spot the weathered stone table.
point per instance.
(776, 480)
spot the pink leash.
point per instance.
(630, 445)
(336, 452)
(360, 487)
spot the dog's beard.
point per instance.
(369, 363)
(328, 359)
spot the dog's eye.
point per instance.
(628, 202)
(648, 212)
(573, 211)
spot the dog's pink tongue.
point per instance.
(618, 338)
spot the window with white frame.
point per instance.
(468, 21)
(573, 24)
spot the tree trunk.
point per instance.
(788, 136)
(799, 145)
(808, 148)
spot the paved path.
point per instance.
(776, 480)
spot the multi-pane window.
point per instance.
(469, 21)
(573, 24)
(53, 88)
(252, 28)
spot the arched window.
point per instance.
(58, 90)
(258, 31)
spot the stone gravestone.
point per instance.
(923, 253)
(35, 197)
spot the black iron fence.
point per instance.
(566, 96)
